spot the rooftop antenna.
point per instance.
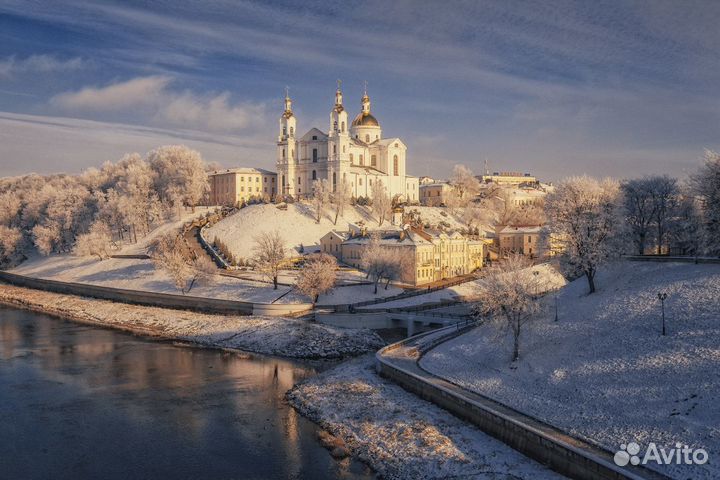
(487, 171)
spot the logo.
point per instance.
(679, 455)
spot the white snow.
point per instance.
(400, 435)
(604, 372)
(271, 335)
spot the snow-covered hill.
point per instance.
(604, 372)
(298, 227)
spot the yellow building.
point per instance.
(522, 240)
(434, 255)
(237, 185)
(434, 194)
(508, 178)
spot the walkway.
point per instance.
(542, 442)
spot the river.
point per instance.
(79, 401)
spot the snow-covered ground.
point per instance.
(139, 274)
(270, 335)
(604, 372)
(143, 243)
(548, 277)
(400, 435)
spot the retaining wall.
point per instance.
(166, 300)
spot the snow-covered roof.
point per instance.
(509, 229)
(246, 170)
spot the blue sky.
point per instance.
(554, 88)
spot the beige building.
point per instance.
(435, 255)
(522, 240)
(234, 186)
(508, 178)
(434, 194)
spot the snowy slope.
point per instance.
(604, 372)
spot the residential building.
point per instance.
(523, 240)
(434, 255)
(434, 194)
(234, 186)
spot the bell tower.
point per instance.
(287, 154)
(338, 140)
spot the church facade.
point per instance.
(355, 153)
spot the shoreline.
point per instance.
(278, 336)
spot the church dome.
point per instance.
(365, 120)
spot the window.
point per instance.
(396, 145)
(395, 165)
(265, 179)
(282, 179)
(283, 153)
(315, 156)
(242, 179)
(361, 160)
(298, 180)
(351, 158)
(284, 131)
(529, 239)
(334, 148)
(343, 127)
(373, 160)
(343, 148)
(314, 137)
(314, 175)
(257, 179)
(360, 181)
(292, 131)
(367, 138)
(334, 180)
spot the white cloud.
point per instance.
(38, 64)
(118, 96)
(153, 100)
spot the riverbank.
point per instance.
(400, 435)
(285, 337)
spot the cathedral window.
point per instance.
(395, 165)
(315, 155)
(334, 148)
(284, 131)
(373, 160)
(292, 131)
(334, 180)
(283, 153)
(342, 127)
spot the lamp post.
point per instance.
(662, 296)
(535, 275)
(556, 309)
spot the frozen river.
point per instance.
(85, 402)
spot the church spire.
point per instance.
(288, 104)
(365, 101)
(338, 97)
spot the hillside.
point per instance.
(298, 227)
(604, 372)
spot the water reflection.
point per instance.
(80, 401)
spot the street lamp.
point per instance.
(535, 275)
(662, 296)
(556, 310)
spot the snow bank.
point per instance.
(269, 335)
(604, 372)
(401, 436)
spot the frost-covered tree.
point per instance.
(320, 197)
(340, 198)
(508, 297)
(706, 183)
(180, 175)
(383, 261)
(584, 219)
(381, 201)
(638, 211)
(95, 243)
(270, 254)
(687, 230)
(664, 193)
(317, 276)
(10, 239)
(399, 264)
(186, 270)
(464, 184)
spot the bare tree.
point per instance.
(583, 217)
(638, 211)
(95, 243)
(186, 270)
(381, 201)
(321, 196)
(687, 232)
(317, 276)
(270, 254)
(706, 183)
(340, 198)
(374, 261)
(508, 295)
(10, 239)
(664, 193)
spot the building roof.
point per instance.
(365, 120)
(246, 170)
(526, 229)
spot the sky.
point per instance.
(553, 88)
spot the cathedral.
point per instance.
(355, 153)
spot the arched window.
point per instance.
(373, 160)
(361, 160)
(367, 138)
(343, 148)
(292, 131)
(342, 127)
(334, 148)
(395, 165)
(315, 156)
(282, 179)
(284, 130)
(314, 175)
(283, 153)
(351, 158)
(334, 180)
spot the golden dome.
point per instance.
(365, 120)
